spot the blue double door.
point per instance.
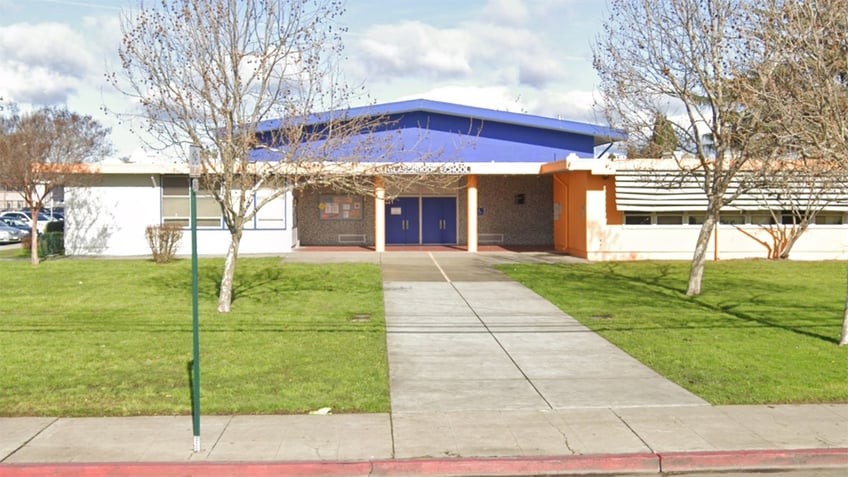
(421, 220)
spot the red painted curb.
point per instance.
(753, 459)
(596, 464)
(590, 464)
(584, 464)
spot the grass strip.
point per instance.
(760, 332)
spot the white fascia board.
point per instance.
(464, 168)
(123, 169)
(489, 168)
(504, 168)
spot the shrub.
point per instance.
(163, 240)
(51, 243)
(54, 226)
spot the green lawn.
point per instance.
(761, 331)
(114, 338)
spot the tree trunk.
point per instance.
(699, 258)
(225, 298)
(844, 339)
(33, 251)
(792, 236)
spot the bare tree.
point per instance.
(253, 83)
(798, 59)
(677, 59)
(661, 143)
(794, 191)
(44, 150)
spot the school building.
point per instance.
(512, 180)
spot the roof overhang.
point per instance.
(598, 167)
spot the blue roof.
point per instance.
(467, 133)
(601, 134)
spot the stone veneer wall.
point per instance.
(530, 223)
(312, 230)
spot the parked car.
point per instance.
(56, 213)
(9, 234)
(16, 223)
(25, 216)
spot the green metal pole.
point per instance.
(195, 322)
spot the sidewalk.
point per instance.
(632, 440)
(486, 378)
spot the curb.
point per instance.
(525, 466)
(754, 460)
(584, 464)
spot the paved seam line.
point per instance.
(220, 436)
(627, 425)
(447, 279)
(391, 427)
(492, 334)
(26, 442)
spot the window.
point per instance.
(695, 219)
(762, 219)
(830, 219)
(669, 219)
(758, 218)
(637, 218)
(731, 219)
(176, 205)
(788, 219)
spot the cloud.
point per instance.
(573, 105)
(539, 71)
(508, 12)
(42, 63)
(500, 98)
(414, 48)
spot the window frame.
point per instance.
(203, 199)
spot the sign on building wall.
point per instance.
(340, 207)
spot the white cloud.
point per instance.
(509, 12)
(414, 48)
(500, 98)
(42, 63)
(573, 105)
(104, 32)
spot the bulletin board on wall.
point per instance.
(340, 207)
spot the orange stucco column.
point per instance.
(379, 215)
(472, 213)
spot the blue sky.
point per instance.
(529, 56)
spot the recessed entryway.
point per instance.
(421, 220)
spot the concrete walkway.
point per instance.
(463, 337)
(486, 378)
